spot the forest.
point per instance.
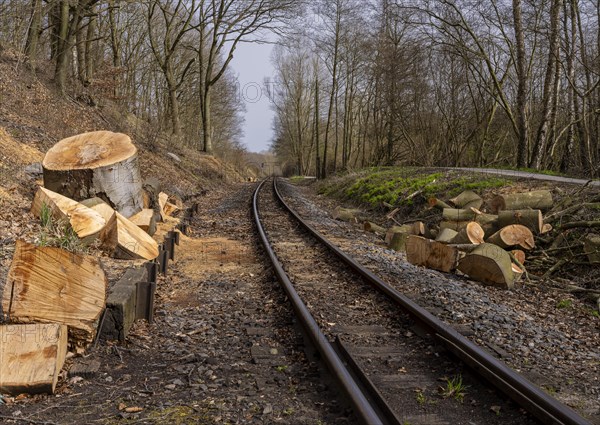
(483, 83)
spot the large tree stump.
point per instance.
(54, 285)
(31, 357)
(489, 264)
(531, 219)
(97, 164)
(513, 235)
(538, 199)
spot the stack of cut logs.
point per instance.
(54, 298)
(488, 247)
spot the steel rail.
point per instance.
(541, 405)
(365, 411)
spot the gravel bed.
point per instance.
(556, 348)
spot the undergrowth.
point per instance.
(58, 234)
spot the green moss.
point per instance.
(296, 179)
(393, 185)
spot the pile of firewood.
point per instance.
(487, 244)
(54, 298)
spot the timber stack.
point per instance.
(54, 299)
(485, 240)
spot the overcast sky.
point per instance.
(252, 63)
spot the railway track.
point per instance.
(396, 363)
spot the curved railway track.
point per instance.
(390, 356)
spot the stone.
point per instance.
(173, 157)
(34, 170)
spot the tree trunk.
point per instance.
(33, 34)
(206, 123)
(522, 86)
(549, 93)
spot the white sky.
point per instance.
(252, 63)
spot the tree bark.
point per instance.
(522, 86)
(102, 164)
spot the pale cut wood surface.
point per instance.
(145, 220)
(434, 255)
(31, 357)
(108, 235)
(85, 221)
(53, 285)
(134, 243)
(89, 150)
(489, 264)
(513, 235)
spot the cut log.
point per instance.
(398, 242)
(446, 235)
(170, 209)
(519, 255)
(547, 227)
(483, 218)
(416, 228)
(421, 251)
(373, 228)
(166, 208)
(98, 164)
(108, 235)
(453, 214)
(467, 199)
(345, 214)
(471, 234)
(389, 234)
(145, 220)
(532, 219)
(488, 222)
(513, 235)
(31, 357)
(537, 199)
(489, 264)
(86, 223)
(54, 285)
(592, 248)
(134, 243)
(457, 226)
(437, 203)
